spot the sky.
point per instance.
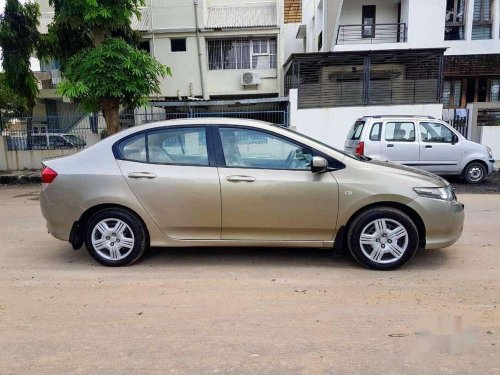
(35, 64)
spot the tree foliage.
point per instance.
(18, 38)
(102, 66)
(10, 102)
(114, 69)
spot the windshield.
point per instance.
(323, 144)
(356, 130)
(77, 141)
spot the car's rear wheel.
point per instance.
(474, 173)
(115, 237)
(383, 238)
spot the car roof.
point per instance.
(400, 116)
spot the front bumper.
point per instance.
(443, 220)
(491, 166)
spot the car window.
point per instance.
(435, 132)
(400, 131)
(186, 146)
(356, 130)
(376, 131)
(134, 148)
(247, 148)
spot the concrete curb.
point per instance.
(20, 179)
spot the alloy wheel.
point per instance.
(384, 241)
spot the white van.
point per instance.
(421, 142)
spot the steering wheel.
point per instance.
(289, 160)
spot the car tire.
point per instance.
(382, 238)
(474, 173)
(115, 237)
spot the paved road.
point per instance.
(250, 311)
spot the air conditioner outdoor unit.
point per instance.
(250, 79)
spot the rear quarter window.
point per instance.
(133, 148)
(356, 131)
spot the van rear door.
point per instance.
(354, 137)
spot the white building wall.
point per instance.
(290, 42)
(331, 125)
(426, 24)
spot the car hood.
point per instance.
(424, 176)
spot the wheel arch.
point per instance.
(482, 162)
(77, 231)
(341, 237)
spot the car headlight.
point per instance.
(446, 193)
(490, 152)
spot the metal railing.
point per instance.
(371, 34)
(488, 117)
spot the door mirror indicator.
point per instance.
(319, 164)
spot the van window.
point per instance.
(434, 132)
(356, 130)
(400, 131)
(376, 131)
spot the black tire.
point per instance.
(369, 216)
(474, 173)
(135, 226)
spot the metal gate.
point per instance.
(458, 118)
(273, 110)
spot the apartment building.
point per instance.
(393, 56)
(218, 50)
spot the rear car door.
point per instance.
(268, 190)
(172, 173)
(438, 151)
(399, 142)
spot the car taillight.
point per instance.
(360, 149)
(48, 175)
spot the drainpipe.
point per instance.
(200, 59)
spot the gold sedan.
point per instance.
(233, 182)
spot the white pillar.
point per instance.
(496, 19)
(3, 153)
(469, 18)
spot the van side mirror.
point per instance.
(454, 139)
(319, 164)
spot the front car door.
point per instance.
(438, 151)
(268, 190)
(172, 173)
(399, 143)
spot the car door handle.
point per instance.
(390, 145)
(141, 175)
(428, 146)
(240, 178)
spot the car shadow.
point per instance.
(244, 256)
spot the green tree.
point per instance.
(11, 104)
(102, 67)
(18, 38)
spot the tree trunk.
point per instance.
(29, 122)
(110, 107)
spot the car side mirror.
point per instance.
(319, 164)
(454, 139)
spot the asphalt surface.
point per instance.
(246, 311)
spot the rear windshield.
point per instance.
(356, 130)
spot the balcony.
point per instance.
(372, 34)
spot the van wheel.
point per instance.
(115, 237)
(383, 238)
(474, 173)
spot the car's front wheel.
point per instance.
(115, 237)
(474, 173)
(383, 238)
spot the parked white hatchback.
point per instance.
(422, 142)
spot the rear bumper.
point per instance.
(443, 220)
(59, 217)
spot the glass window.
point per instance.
(376, 131)
(356, 130)
(254, 149)
(455, 20)
(178, 45)
(242, 53)
(134, 148)
(482, 20)
(434, 132)
(495, 90)
(400, 131)
(186, 146)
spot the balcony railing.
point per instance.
(371, 34)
